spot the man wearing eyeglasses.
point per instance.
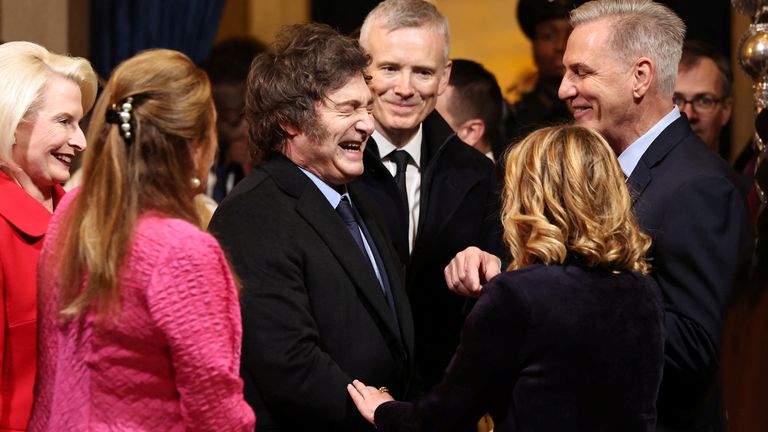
(703, 91)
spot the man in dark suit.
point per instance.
(436, 192)
(323, 298)
(684, 196)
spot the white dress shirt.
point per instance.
(412, 175)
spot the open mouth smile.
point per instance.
(64, 158)
(351, 146)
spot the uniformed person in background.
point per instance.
(545, 23)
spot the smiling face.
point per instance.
(597, 85)
(409, 70)
(336, 155)
(46, 142)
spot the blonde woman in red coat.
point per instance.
(43, 96)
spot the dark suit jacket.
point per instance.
(550, 348)
(458, 209)
(314, 315)
(687, 199)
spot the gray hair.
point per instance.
(640, 28)
(398, 14)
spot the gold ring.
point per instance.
(383, 389)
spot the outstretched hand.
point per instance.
(368, 398)
(469, 270)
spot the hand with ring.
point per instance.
(368, 398)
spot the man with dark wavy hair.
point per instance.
(322, 294)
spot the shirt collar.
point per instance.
(328, 192)
(413, 147)
(629, 158)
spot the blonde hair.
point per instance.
(640, 28)
(25, 69)
(172, 112)
(565, 198)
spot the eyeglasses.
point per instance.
(701, 103)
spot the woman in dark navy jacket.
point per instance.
(570, 337)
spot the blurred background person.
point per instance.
(227, 67)
(43, 96)
(545, 23)
(140, 324)
(703, 92)
(570, 337)
(472, 105)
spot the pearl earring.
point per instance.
(195, 182)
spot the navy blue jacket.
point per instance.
(550, 348)
(688, 200)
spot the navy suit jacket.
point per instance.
(314, 315)
(458, 209)
(687, 199)
(550, 348)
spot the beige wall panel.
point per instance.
(265, 17)
(61, 26)
(39, 21)
(234, 20)
(79, 31)
(487, 32)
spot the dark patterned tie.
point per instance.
(400, 157)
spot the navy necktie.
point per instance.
(348, 216)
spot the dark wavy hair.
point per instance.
(306, 62)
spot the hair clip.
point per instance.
(122, 116)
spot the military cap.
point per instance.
(532, 12)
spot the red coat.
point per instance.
(23, 222)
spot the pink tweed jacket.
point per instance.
(168, 361)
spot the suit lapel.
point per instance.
(638, 181)
(315, 209)
(392, 267)
(659, 148)
(442, 191)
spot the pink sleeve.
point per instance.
(193, 300)
(48, 286)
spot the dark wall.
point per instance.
(707, 20)
(344, 15)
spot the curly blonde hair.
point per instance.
(565, 198)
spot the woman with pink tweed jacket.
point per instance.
(139, 322)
